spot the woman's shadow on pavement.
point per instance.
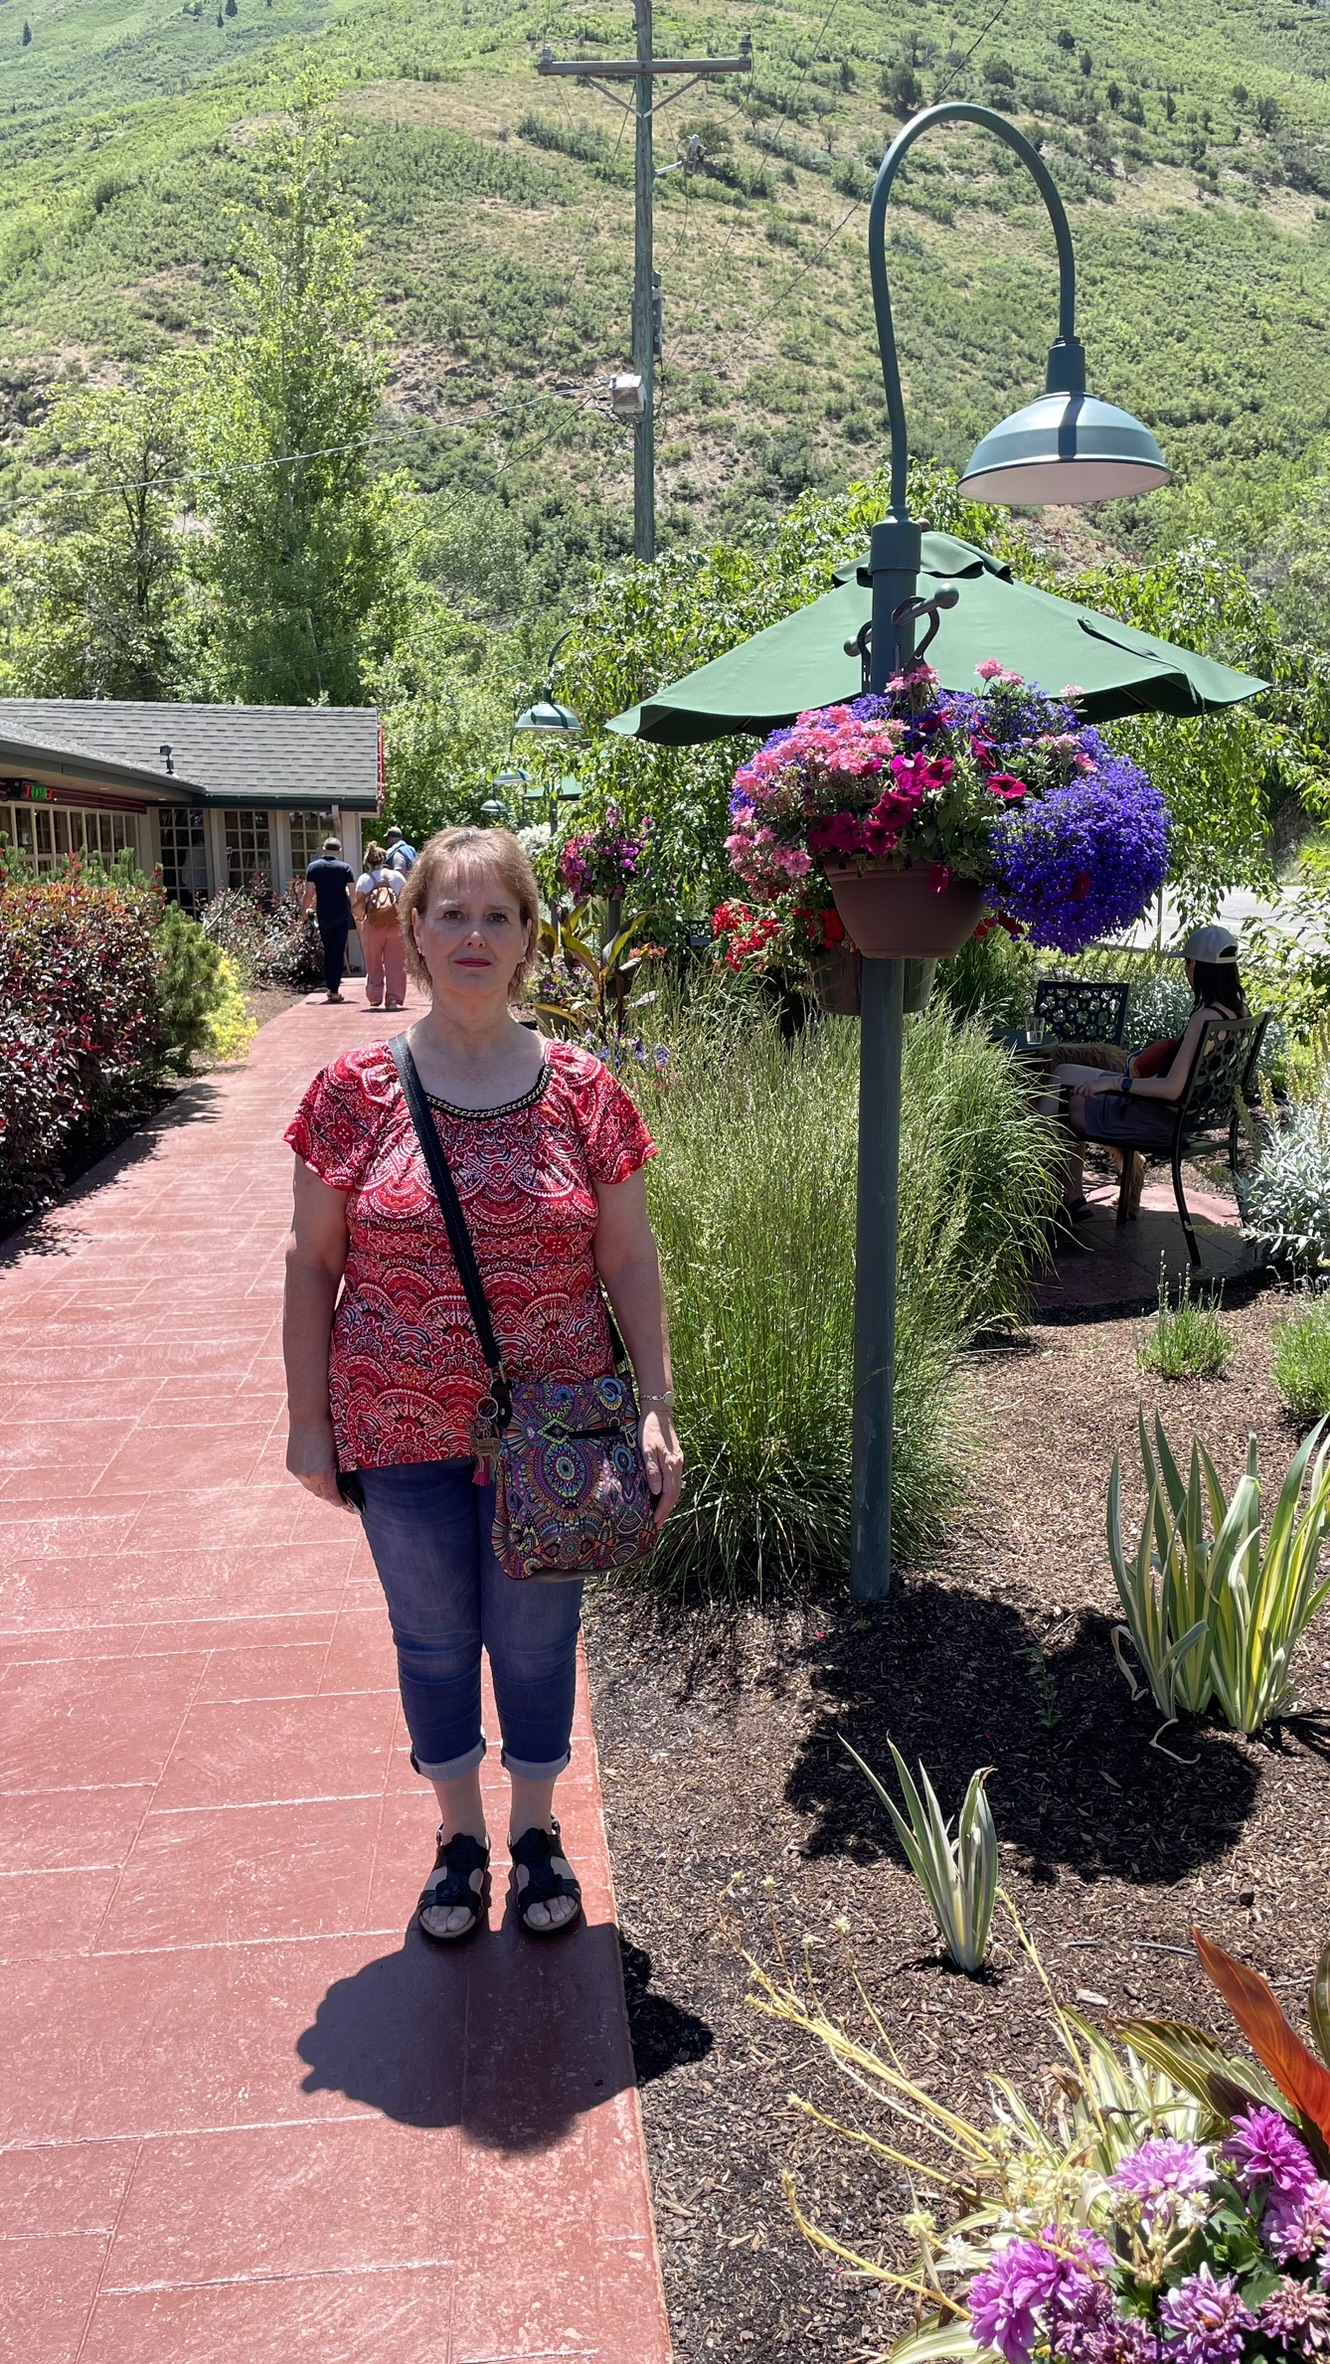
(511, 2038)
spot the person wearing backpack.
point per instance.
(400, 854)
(375, 905)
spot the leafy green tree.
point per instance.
(100, 589)
(27, 33)
(447, 708)
(190, 986)
(1243, 782)
(301, 563)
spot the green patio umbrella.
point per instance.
(801, 661)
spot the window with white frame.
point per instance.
(47, 833)
(248, 849)
(308, 831)
(184, 855)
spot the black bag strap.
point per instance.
(459, 1238)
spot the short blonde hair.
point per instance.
(472, 849)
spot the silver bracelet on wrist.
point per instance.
(665, 1397)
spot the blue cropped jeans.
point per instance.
(428, 1526)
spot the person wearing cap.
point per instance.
(401, 855)
(1136, 1105)
(329, 882)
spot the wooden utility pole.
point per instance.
(644, 71)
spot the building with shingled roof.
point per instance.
(213, 796)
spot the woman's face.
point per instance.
(470, 934)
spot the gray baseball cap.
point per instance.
(1214, 942)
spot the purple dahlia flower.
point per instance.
(1166, 2180)
(1296, 2319)
(1030, 2286)
(1204, 2320)
(1263, 2148)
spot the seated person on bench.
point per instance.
(1126, 1108)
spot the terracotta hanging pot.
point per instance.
(899, 915)
(836, 976)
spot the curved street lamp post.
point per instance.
(1065, 446)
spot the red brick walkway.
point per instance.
(244, 2116)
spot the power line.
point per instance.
(765, 157)
(960, 67)
(813, 259)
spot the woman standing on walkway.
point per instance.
(547, 1153)
(374, 902)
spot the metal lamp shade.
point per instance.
(547, 715)
(1065, 447)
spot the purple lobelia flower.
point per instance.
(1083, 860)
(1030, 2287)
(1296, 2319)
(1204, 2320)
(1165, 2182)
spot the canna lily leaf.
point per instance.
(1318, 2005)
(1198, 2064)
(1301, 2077)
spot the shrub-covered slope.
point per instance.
(1191, 137)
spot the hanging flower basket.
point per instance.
(835, 976)
(923, 807)
(915, 914)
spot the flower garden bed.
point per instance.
(722, 1762)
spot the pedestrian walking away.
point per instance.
(400, 856)
(328, 884)
(374, 902)
(388, 1388)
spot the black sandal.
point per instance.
(458, 1861)
(537, 1851)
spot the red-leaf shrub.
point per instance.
(79, 1035)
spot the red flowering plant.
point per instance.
(1001, 786)
(79, 1028)
(781, 935)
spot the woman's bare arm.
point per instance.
(628, 1264)
(1169, 1087)
(315, 1259)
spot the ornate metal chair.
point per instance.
(1206, 1118)
(1080, 1009)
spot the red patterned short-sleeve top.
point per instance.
(405, 1370)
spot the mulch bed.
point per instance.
(724, 1778)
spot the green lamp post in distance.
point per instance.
(1065, 446)
(546, 715)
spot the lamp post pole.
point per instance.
(894, 560)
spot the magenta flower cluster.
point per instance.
(604, 860)
(1164, 2180)
(1067, 2297)
(1277, 2172)
(1002, 786)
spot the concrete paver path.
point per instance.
(244, 2115)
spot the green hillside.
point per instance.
(1191, 138)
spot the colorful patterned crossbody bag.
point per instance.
(571, 1492)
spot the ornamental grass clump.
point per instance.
(1214, 1612)
(956, 1871)
(1189, 1339)
(1302, 1358)
(753, 1201)
(1169, 2203)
